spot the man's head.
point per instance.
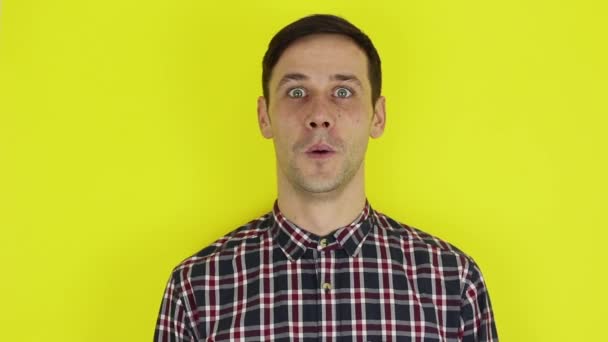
(322, 108)
(319, 24)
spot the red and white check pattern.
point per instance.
(373, 280)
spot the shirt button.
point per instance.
(323, 242)
(326, 286)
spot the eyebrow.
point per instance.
(301, 77)
(291, 77)
(346, 77)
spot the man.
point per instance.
(323, 265)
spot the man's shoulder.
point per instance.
(417, 238)
(247, 236)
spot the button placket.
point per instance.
(325, 267)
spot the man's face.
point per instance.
(320, 114)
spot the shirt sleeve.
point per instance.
(173, 323)
(476, 317)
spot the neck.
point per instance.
(322, 213)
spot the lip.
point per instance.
(323, 155)
(320, 147)
(320, 151)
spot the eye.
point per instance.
(343, 92)
(296, 93)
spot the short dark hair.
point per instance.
(318, 24)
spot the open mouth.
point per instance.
(320, 151)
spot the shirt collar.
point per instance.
(294, 240)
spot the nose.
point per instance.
(320, 116)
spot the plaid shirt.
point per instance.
(373, 280)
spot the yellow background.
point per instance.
(128, 141)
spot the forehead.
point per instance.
(320, 56)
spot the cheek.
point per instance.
(281, 148)
(354, 110)
(285, 104)
(286, 114)
(284, 135)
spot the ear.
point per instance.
(264, 118)
(378, 119)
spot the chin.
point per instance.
(318, 186)
(317, 182)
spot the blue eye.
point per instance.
(343, 92)
(296, 93)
